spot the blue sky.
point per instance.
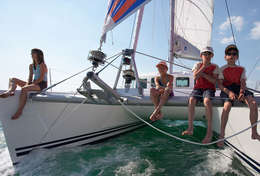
(66, 30)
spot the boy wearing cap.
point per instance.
(232, 82)
(163, 90)
(205, 74)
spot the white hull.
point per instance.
(86, 123)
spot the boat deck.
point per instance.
(178, 100)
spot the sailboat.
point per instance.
(52, 120)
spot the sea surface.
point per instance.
(143, 152)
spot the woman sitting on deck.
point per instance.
(163, 90)
(37, 81)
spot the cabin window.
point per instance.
(143, 83)
(182, 82)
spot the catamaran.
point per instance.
(52, 120)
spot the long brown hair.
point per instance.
(40, 56)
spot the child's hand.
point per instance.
(241, 97)
(161, 90)
(231, 95)
(204, 66)
(203, 74)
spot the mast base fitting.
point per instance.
(127, 52)
(97, 57)
(126, 60)
(129, 76)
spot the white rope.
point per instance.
(180, 139)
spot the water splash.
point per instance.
(6, 167)
(140, 153)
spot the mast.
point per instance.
(135, 42)
(171, 54)
(50, 78)
(136, 37)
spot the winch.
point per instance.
(97, 57)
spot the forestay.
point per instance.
(192, 27)
(119, 10)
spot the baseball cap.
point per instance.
(207, 49)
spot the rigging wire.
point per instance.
(54, 85)
(230, 157)
(112, 37)
(132, 33)
(231, 26)
(60, 115)
(257, 61)
(108, 64)
(157, 129)
(180, 139)
(57, 119)
(153, 22)
(182, 66)
(163, 60)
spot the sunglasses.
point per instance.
(231, 54)
(206, 53)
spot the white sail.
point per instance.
(192, 27)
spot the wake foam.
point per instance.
(216, 164)
(6, 167)
(177, 123)
(134, 168)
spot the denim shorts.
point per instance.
(200, 94)
(236, 89)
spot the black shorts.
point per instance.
(171, 95)
(236, 89)
(200, 94)
(42, 85)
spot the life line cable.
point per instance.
(178, 138)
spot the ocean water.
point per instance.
(143, 152)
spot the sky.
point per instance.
(67, 30)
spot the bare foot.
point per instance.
(153, 117)
(187, 132)
(159, 116)
(6, 94)
(16, 115)
(255, 136)
(220, 144)
(207, 139)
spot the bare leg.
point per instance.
(23, 98)
(192, 103)
(163, 99)
(224, 119)
(208, 109)
(253, 115)
(154, 95)
(13, 82)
